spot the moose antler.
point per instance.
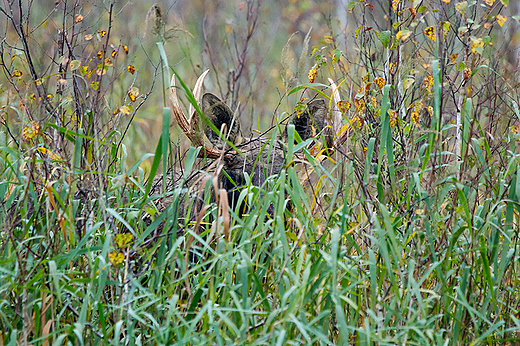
(190, 126)
(341, 133)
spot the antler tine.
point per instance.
(340, 136)
(173, 102)
(335, 111)
(197, 90)
(185, 124)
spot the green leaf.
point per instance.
(337, 55)
(384, 37)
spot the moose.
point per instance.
(216, 129)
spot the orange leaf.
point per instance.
(453, 57)
(380, 82)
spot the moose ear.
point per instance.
(219, 114)
(313, 121)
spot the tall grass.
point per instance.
(393, 238)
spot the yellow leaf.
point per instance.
(131, 69)
(125, 110)
(123, 240)
(393, 117)
(415, 117)
(445, 29)
(360, 104)
(74, 65)
(313, 73)
(501, 20)
(88, 37)
(461, 7)
(49, 153)
(395, 5)
(403, 35)
(344, 106)
(430, 32)
(78, 18)
(116, 258)
(489, 2)
(392, 67)
(27, 133)
(16, 74)
(133, 93)
(476, 45)
(428, 83)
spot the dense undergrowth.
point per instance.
(406, 233)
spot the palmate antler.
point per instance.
(191, 125)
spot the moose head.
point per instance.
(216, 129)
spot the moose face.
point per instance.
(258, 157)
